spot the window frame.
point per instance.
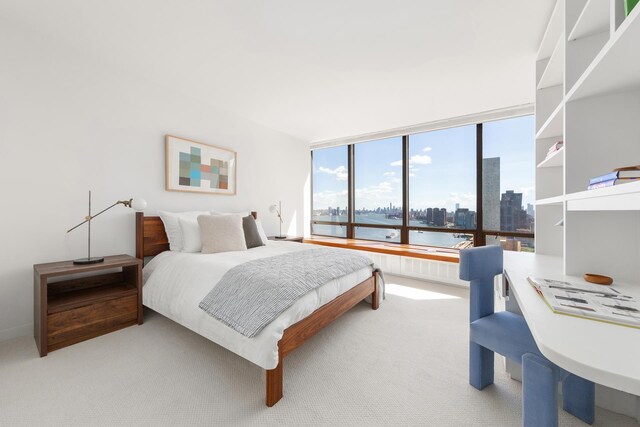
(479, 233)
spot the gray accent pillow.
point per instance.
(221, 233)
(251, 234)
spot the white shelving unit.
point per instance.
(595, 111)
(553, 126)
(597, 115)
(553, 160)
(557, 200)
(553, 73)
(625, 197)
(593, 19)
(616, 67)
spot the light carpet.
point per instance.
(405, 364)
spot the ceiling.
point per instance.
(316, 70)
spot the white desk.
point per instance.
(603, 353)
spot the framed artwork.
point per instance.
(199, 168)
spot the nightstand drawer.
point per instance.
(72, 326)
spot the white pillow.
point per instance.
(263, 235)
(172, 226)
(221, 233)
(191, 234)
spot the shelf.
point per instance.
(554, 160)
(554, 125)
(77, 298)
(624, 197)
(616, 67)
(552, 32)
(553, 74)
(557, 200)
(594, 19)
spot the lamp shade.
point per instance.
(138, 204)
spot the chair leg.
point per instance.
(539, 392)
(480, 366)
(579, 398)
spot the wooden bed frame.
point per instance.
(151, 240)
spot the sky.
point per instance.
(442, 167)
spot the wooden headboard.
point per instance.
(151, 239)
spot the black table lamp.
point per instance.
(137, 204)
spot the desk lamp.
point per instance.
(137, 204)
(277, 209)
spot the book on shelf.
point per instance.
(555, 147)
(595, 302)
(610, 183)
(615, 175)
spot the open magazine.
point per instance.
(597, 302)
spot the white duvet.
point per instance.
(176, 282)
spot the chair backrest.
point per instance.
(479, 266)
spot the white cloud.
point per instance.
(389, 173)
(526, 190)
(420, 160)
(427, 149)
(324, 199)
(340, 172)
(416, 159)
(375, 190)
(379, 195)
(465, 199)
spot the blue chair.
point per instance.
(508, 334)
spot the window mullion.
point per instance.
(350, 191)
(479, 236)
(404, 232)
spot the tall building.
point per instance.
(439, 217)
(512, 216)
(491, 193)
(530, 210)
(464, 218)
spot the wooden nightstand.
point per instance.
(297, 239)
(75, 309)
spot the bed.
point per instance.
(197, 273)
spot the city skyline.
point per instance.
(512, 215)
(444, 156)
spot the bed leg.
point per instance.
(375, 303)
(274, 384)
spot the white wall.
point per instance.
(69, 124)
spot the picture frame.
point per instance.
(195, 167)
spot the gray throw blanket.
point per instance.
(251, 295)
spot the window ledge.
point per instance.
(413, 251)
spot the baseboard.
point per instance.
(417, 268)
(618, 401)
(16, 332)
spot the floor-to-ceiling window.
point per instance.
(442, 187)
(452, 188)
(330, 191)
(378, 190)
(509, 182)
